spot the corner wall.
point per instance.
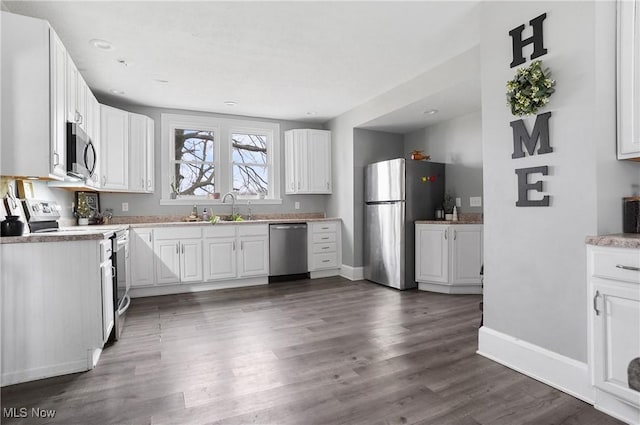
(535, 262)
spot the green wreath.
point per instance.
(530, 89)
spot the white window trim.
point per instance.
(223, 128)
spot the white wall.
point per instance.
(458, 143)
(535, 285)
(149, 204)
(459, 69)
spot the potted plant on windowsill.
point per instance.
(83, 212)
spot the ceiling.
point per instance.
(303, 61)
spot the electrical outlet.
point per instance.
(458, 202)
(296, 205)
(125, 206)
(475, 201)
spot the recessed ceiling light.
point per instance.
(101, 44)
(230, 103)
(430, 112)
(118, 92)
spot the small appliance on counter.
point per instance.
(631, 214)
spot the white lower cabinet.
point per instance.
(614, 328)
(53, 323)
(449, 258)
(324, 244)
(232, 252)
(142, 257)
(178, 255)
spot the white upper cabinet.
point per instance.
(33, 98)
(307, 162)
(140, 153)
(58, 70)
(114, 148)
(137, 152)
(628, 80)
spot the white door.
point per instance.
(114, 148)
(137, 152)
(466, 254)
(149, 156)
(191, 261)
(220, 258)
(301, 160)
(167, 262)
(319, 153)
(58, 106)
(289, 163)
(254, 256)
(616, 337)
(432, 253)
(142, 257)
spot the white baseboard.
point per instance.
(352, 273)
(450, 289)
(324, 273)
(152, 291)
(561, 372)
(26, 375)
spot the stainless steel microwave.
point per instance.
(81, 154)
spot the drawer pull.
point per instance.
(325, 247)
(325, 261)
(633, 269)
(324, 239)
(595, 303)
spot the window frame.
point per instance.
(223, 128)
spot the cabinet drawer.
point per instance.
(220, 231)
(323, 237)
(619, 264)
(324, 261)
(253, 229)
(177, 233)
(324, 227)
(322, 248)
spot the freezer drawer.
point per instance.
(384, 244)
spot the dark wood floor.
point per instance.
(326, 352)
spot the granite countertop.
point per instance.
(75, 233)
(98, 232)
(465, 218)
(620, 240)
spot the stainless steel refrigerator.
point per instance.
(397, 193)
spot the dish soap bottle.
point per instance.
(455, 214)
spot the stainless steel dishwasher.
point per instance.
(288, 250)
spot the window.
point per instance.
(207, 157)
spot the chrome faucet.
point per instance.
(233, 201)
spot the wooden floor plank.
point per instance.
(327, 351)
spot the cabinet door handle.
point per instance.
(298, 185)
(177, 248)
(327, 185)
(241, 245)
(454, 234)
(234, 245)
(77, 117)
(325, 247)
(324, 239)
(595, 303)
(182, 248)
(148, 183)
(56, 159)
(104, 180)
(325, 261)
(149, 237)
(80, 119)
(445, 235)
(142, 183)
(633, 269)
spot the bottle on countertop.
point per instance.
(205, 215)
(455, 214)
